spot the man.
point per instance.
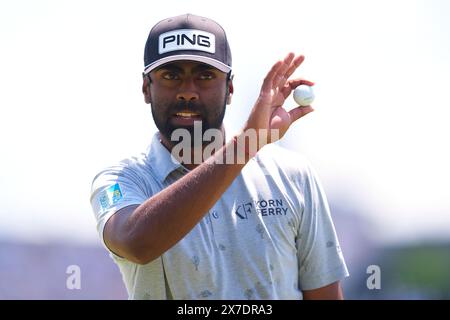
(246, 221)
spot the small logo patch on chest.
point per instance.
(265, 208)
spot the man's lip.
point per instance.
(187, 114)
(187, 118)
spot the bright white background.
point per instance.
(71, 103)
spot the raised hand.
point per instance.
(268, 112)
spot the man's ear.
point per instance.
(146, 88)
(230, 89)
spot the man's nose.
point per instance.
(187, 91)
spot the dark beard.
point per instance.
(166, 128)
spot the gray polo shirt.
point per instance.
(269, 236)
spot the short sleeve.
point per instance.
(113, 189)
(320, 258)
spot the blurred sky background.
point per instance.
(71, 103)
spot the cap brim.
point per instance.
(212, 62)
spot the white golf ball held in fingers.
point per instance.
(303, 95)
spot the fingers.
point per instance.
(299, 112)
(295, 64)
(268, 80)
(280, 78)
(280, 73)
(287, 69)
(294, 83)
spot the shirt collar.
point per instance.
(160, 159)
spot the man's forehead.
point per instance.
(183, 65)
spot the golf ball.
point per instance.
(303, 95)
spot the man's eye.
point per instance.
(206, 76)
(170, 76)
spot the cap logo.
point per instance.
(187, 39)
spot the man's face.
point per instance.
(186, 91)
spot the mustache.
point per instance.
(190, 105)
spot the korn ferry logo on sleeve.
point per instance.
(110, 196)
(187, 39)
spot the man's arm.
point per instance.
(329, 292)
(141, 234)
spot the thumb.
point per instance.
(299, 112)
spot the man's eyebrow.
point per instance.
(170, 67)
(204, 67)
